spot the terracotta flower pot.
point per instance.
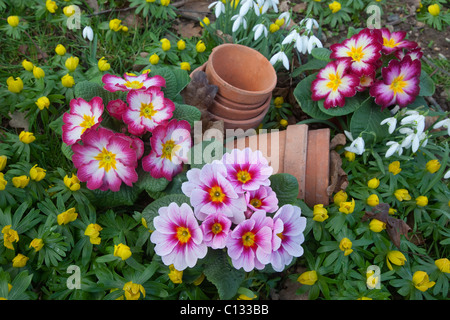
(301, 152)
(242, 74)
(240, 124)
(225, 111)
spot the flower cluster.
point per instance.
(105, 158)
(235, 208)
(360, 60)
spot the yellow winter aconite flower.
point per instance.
(339, 197)
(13, 21)
(422, 201)
(200, 46)
(154, 59)
(37, 244)
(395, 257)
(67, 216)
(334, 6)
(350, 156)
(185, 66)
(433, 165)
(115, 25)
(279, 22)
(133, 290)
(36, 173)
(67, 81)
(51, 6)
(320, 214)
(165, 44)
(93, 232)
(72, 183)
(205, 22)
(377, 225)
(26, 137)
(69, 11)
(421, 281)
(42, 103)
(394, 167)
(283, 122)
(20, 181)
(278, 101)
(3, 182)
(9, 236)
(443, 265)
(346, 246)
(245, 297)
(434, 9)
(402, 194)
(122, 251)
(308, 277)
(103, 64)
(360, 298)
(20, 261)
(60, 50)
(373, 183)
(373, 200)
(274, 28)
(38, 72)
(27, 65)
(3, 161)
(14, 86)
(72, 63)
(165, 3)
(175, 275)
(392, 211)
(347, 207)
(181, 44)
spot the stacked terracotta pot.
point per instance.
(245, 79)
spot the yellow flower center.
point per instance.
(389, 43)
(134, 84)
(334, 82)
(106, 160)
(398, 84)
(248, 239)
(168, 148)
(280, 235)
(183, 234)
(356, 53)
(216, 194)
(243, 176)
(147, 110)
(256, 202)
(88, 121)
(216, 228)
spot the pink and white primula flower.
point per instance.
(288, 227)
(210, 192)
(247, 170)
(394, 41)
(131, 82)
(262, 199)
(216, 228)
(117, 108)
(249, 245)
(333, 83)
(177, 237)
(146, 110)
(104, 160)
(170, 147)
(82, 116)
(362, 50)
(400, 83)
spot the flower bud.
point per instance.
(27, 65)
(19, 261)
(308, 278)
(14, 86)
(185, 66)
(200, 46)
(37, 244)
(13, 21)
(26, 137)
(67, 216)
(443, 265)
(421, 201)
(373, 200)
(60, 50)
(72, 63)
(154, 59)
(346, 246)
(68, 81)
(320, 213)
(43, 102)
(3, 182)
(373, 183)
(103, 64)
(434, 9)
(433, 166)
(377, 225)
(3, 161)
(181, 45)
(20, 181)
(122, 251)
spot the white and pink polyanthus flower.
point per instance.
(129, 82)
(105, 160)
(177, 237)
(288, 227)
(247, 170)
(249, 245)
(117, 108)
(146, 110)
(82, 115)
(210, 192)
(170, 148)
(216, 228)
(262, 199)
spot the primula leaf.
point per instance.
(126, 196)
(151, 211)
(427, 86)
(286, 188)
(321, 54)
(351, 105)
(302, 94)
(186, 112)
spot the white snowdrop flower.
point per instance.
(286, 16)
(394, 147)
(280, 56)
(245, 7)
(447, 175)
(291, 37)
(310, 23)
(412, 139)
(391, 122)
(270, 4)
(259, 29)
(238, 21)
(219, 7)
(417, 120)
(357, 146)
(395, 109)
(88, 33)
(302, 44)
(443, 123)
(314, 42)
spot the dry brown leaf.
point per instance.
(338, 140)
(18, 120)
(188, 29)
(338, 177)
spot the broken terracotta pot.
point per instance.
(301, 152)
